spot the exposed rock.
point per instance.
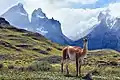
(3, 21)
(88, 76)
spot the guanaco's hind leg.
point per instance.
(67, 70)
(62, 65)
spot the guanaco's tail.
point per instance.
(64, 56)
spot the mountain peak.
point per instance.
(118, 19)
(17, 16)
(39, 13)
(39, 9)
(20, 4)
(19, 8)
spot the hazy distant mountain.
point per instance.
(104, 35)
(49, 28)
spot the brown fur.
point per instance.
(79, 53)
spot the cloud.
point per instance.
(115, 9)
(83, 1)
(73, 21)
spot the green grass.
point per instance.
(34, 75)
(26, 56)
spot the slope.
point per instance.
(19, 44)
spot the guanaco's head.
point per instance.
(85, 40)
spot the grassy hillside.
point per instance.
(17, 45)
(25, 55)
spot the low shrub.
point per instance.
(1, 66)
(40, 66)
(49, 49)
(43, 52)
(10, 67)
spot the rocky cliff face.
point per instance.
(50, 28)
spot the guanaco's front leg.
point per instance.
(80, 63)
(77, 65)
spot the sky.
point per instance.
(75, 16)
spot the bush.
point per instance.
(113, 63)
(40, 66)
(30, 68)
(49, 49)
(10, 67)
(1, 66)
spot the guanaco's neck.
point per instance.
(85, 47)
